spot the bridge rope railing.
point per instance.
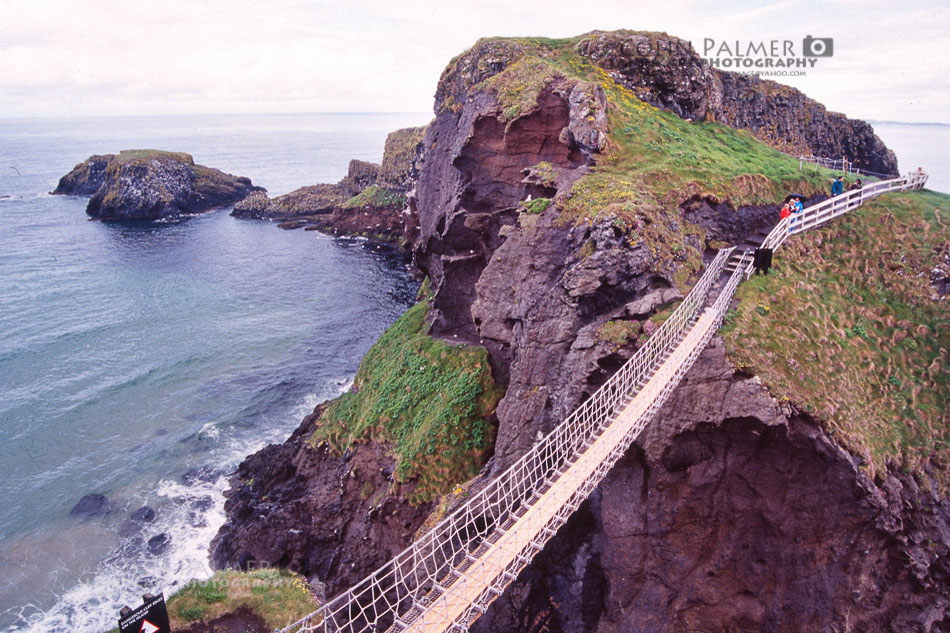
(426, 586)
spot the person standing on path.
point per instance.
(837, 187)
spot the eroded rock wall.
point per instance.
(738, 514)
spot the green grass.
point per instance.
(847, 327)
(536, 206)
(430, 400)
(375, 196)
(137, 155)
(279, 597)
(618, 332)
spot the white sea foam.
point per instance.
(190, 513)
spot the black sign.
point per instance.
(151, 617)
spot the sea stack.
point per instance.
(151, 185)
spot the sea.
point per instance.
(144, 361)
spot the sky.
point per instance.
(111, 57)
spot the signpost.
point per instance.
(151, 617)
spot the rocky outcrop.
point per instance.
(333, 518)
(369, 201)
(666, 72)
(398, 169)
(355, 205)
(738, 513)
(151, 185)
(306, 201)
(310, 200)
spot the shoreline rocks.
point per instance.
(370, 201)
(151, 185)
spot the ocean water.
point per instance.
(916, 145)
(144, 361)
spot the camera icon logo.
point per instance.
(818, 46)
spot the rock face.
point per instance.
(330, 518)
(666, 72)
(736, 514)
(151, 185)
(739, 514)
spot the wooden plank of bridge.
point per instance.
(452, 604)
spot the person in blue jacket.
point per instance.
(837, 186)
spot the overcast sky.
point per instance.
(102, 57)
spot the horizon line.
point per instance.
(172, 114)
(320, 112)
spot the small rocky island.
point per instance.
(151, 185)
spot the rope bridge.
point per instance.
(447, 578)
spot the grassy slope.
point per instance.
(847, 329)
(142, 155)
(279, 597)
(427, 398)
(375, 196)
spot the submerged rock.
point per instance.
(159, 543)
(151, 185)
(92, 505)
(145, 514)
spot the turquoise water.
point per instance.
(130, 354)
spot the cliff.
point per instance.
(151, 185)
(665, 71)
(563, 202)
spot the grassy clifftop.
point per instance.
(654, 159)
(849, 329)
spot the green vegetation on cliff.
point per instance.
(399, 155)
(651, 162)
(130, 156)
(654, 158)
(279, 597)
(849, 329)
(429, 399)
(375, 196)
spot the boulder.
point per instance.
(92, 505)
